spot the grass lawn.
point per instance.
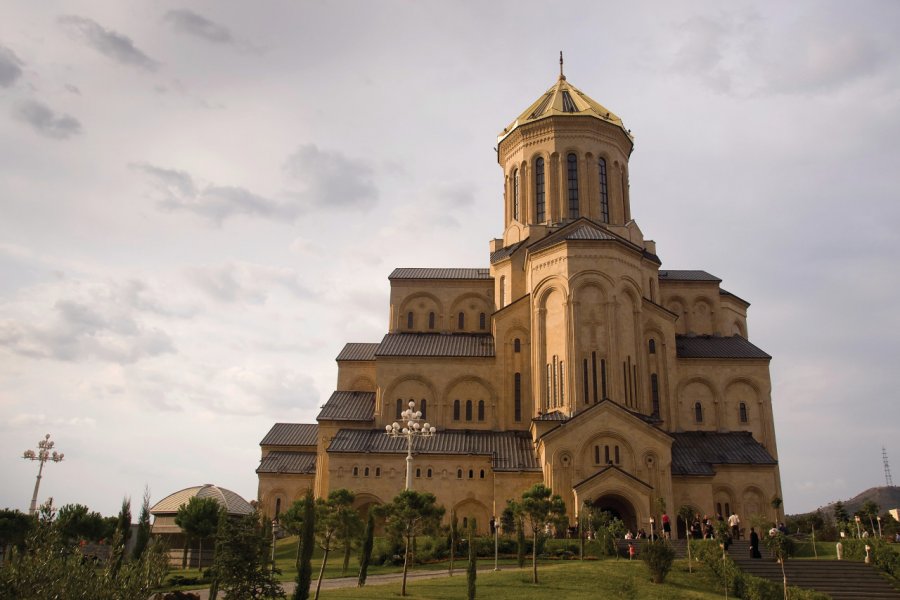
(571, 579)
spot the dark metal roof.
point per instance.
(686, 275)
(288, 462)
(695, 452)
(510, 450)
(582, 229)
(498, 255)
(552, 416)
(708, 346)
(358, 351)
(349, 406)
(437, 273)
(291, 434)
(735, 296)
(472, 345)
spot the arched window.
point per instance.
(431, 320)
(743, 412)
(456, 410)
(409, 320)
(572, 170)
(366, 472)
(515, 178)
(471, 474)
(698, 412)
(517, 345)
(719, 509)
(604, 192)
(517, 397)
(482, 321)
(428, 473)
(481, 410)
(418, 473)
(423, 406)
(562, 384)
(377, 471)
(539, 201)
(461, 321)
(277, 507)
(481, 475)
(596, 455)
(654, 393)
(606, 454)
(399, 408)
(617, 455)
(502, 291)
(465, 523)
(356, 471)
(651, 346)
(459, 473)
(468, 410)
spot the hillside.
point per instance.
(885, 497)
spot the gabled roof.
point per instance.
(348, 406)
(735, 296)
(695, 452)
(564, 421)
(230, 501)
(686, 275)
(467, 345)
(358, 351)
(613, 469)
(509, 450)
(500, 254)
(291, 434)
(709, 346)
(439, 273)
(297, 463)
(563, 98)
(580, 229)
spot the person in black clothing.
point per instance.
(754, 544)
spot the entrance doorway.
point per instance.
(618, 507)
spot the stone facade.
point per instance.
(574, 360)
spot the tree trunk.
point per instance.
(184, 554)
(405, 566)
(534, 577)
(784, 578)
(321, 573)
(347, 549)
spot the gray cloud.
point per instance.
(179, 191)
(189, 22)
(246, 282)
(10, 67)
(110, 43)
(331, 179)
(46, 122)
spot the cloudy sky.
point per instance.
(200, 203)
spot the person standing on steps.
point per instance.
(667, 526)
(754, 544)
(735, 523)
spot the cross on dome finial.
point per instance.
(561, 76)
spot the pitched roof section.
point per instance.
(695, 452)
(230, 501)
(462, 345)
(297, 463)
(435, 273)
(510, 450)
(683, 275)
(498, 255)
(582, 229)
(708, 346)
(358, 351)
(730, 295)
(349, 406)
(563, 98)
(291, 434)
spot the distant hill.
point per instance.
(885, 497)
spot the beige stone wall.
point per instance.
(356, 376)
(446, 300)
(281, 490)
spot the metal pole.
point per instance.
(33, 508)
(815, 550)
(409, 460)
(274, 525)
(496, 543)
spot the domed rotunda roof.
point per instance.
(232, 502)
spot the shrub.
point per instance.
(659, 557)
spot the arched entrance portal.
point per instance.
(619, 507)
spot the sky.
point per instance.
(200, 203)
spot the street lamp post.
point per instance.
(858, 534)
(879, 526)
(45, 453)
(651, 529)
(274, 536)
(412, 429)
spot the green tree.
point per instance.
(869, 510)
(472, 567)
(686, 514)
(334, 517)
(14, 528)
(122, 532)
(508, 519)
(781, 547)
(306, 543)
(366, 553)
(78, 522)
(409, 515)
(454, 537)
(242, 560)
(143, 531)
(541, 509)
(198, 519)
(519, 519)
(659, 557)
(350, 524)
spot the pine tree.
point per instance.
(366, 554)
(143, 531)
(471, 569)
(454, 537)
(307, 542)
(242, 561)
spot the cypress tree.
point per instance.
(307, 542)
(366, 555)
(454, 536)
(473, 562)
(143, 530)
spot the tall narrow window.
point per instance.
(654, 394)
(418, 473)
(456, 410)
(468, 410)
(698, 412)
(277, 507)
(431, 320)
(572, 170)
(423, 406)
(517, 345)
(606, 454)
(562, 384)
(549, 383)
(539, 201)
(585, 383)
(481, 474)
(428, 473)
(604, 192)
(603, 377)
(409, 320)
(482, 321)
(517, 397)
(366, 472)
(515, 178)
(594, 373)
(596, 455)
(743, 412)
(459, 473)
(555, 379)
(617, 455)
(471, 474)
(399, 408)
(377, 471)
(651, 346)
(502, 291)
(481, 410)
(461, 321)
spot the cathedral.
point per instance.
(574, 359)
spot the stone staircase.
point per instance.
(841, 579)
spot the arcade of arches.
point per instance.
(574, 358)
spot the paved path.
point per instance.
(350, 582)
